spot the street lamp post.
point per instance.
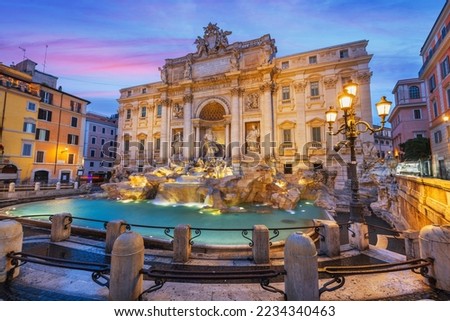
(352, 127)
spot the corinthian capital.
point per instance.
(236, 91)
(188, 99)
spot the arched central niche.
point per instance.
(212, 129)
(213, 111)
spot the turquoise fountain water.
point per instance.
(149, 213)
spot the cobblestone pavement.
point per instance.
(38, 282)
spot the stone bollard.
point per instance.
(113, 230)
(261, 245)
(181, 243)
(301, 282)
(127, 260)
(58, 186)
(37, 186)
(11, 236)
(75, 185)
(361, 239)
(61, 227)
(434, 243)
(330, 242)
(12, 187)
(412, 248)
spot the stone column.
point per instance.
(267, 135)
(360, 240)
(61, 227)
(127, 260)
(261, 245)
(164, 131)
(113, 230)
(301, 282)
(330, 243)
(197, 139)
(11, 239)
(181, 243)
(187, 126)
(434, 243)
(300, 135)
(227, 140)
(235, 130)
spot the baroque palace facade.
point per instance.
(240, 103)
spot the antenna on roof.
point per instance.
(23, 49)
(45, 57)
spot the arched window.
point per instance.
(414, 92)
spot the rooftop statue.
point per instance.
(212, 41)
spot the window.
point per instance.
(144, 90)
(312, 59)
(103, 141)
(285, 65)
(316, 134)
(159, 111)
(72, 139)
(94, 128)
(112, 132)
(42, 134)
(126, 146)
(39, 156)
(92, 152)
(419, 135)
(103, 130)
(414, 92)
(71, 159)
(432, 83)
(128, 93)
(417, 114)
(435, 109)
(93, 140)
(141, 145)
(443, 32)
(285, 92)
(128, 113)
(287, 136)
(44, 114)
(31, 106)
(143, 112)
(158, 144)
(75, 106)
(448, 98)
(445, 67)
(74, 122)
(26, 149)
(91, 164)
(343, 53)
(29, 127)
(314, 88)
(438, 137)
(46, 97)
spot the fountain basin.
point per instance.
(151, 219)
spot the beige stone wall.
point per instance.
(423, 201)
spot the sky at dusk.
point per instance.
(96, 48)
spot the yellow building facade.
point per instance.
(19, 101)
(42, 128)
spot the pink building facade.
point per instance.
(435, 73)
(409, 117)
